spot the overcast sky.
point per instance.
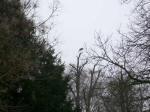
(78, 21)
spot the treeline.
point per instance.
(108, 78)
(103, 79)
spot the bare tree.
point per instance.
(85, 84)
(92, 88)
(121, 95)
(77, 71)
(132, 55)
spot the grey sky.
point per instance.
(78, 20)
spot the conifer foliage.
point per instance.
(30, 74)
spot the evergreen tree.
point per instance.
(49, 88)
(30, 75)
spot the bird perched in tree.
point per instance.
(80, 49)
